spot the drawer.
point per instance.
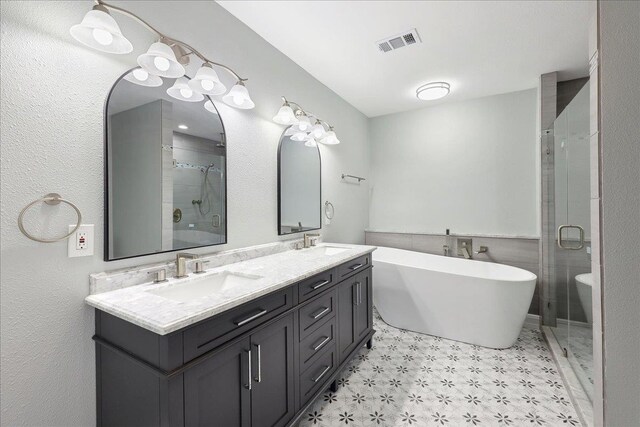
(314, 378)
(316, 343)
(316, 312)
(354, 266)
(228, 325)
(316, 284)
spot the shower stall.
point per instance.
(568, 308)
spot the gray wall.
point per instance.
(51, 126)
(619, 56)
(468, 166)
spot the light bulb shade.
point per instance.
(300, 136)
(330, 138)
(143, 78)
(285, 116)
(206, 81)
(311, 142)
(210, 107)
(161, 61)
(431, 91)
(318, 131)
(290, 131)
(238, 97)
(100, 31)
(304, 124)
(181, 90)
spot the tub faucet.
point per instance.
(465, 251)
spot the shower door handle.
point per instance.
(562, 245)
(215, 221)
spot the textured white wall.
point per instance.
(52, 95)
(468, 166)
(620, 150)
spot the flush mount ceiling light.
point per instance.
(432, 91)
(181, 90)
(165, 58)
(100, 31)
(143, 78)
(300, 128)
(183, 127)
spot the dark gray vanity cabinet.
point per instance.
(355, 312)
(260, 364)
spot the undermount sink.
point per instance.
(203, 287)
(331, 250)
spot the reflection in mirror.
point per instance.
(166, 170)
(298, 186)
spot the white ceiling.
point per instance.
(480, 47)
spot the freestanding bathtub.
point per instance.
(474, 302)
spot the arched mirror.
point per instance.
(165, 168)
(298, 185)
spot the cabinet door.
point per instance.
(346, 318)
(216, 391)
(272, 394)
(364, 314)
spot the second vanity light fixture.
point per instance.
(165, 58)
(305, 126)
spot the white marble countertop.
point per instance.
(137, 305)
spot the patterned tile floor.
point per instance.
(410, 379)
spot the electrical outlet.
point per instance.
(80, 243)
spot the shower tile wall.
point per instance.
(517, 252)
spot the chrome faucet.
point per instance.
(465, 250)
(181, 263)
(310, 239)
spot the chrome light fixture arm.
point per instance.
(189, 48)
(299, 110)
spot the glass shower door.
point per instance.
(572, 263)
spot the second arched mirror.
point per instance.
(299, 188)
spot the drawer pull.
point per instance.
(319, 313)
(355, 267)
(324, 371)
(250, 318)
(320, 284)
(321, 344)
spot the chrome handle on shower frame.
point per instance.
(571, 248)
(216, 221)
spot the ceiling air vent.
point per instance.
(403, 39)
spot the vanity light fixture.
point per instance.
(300, 125)
(330, 138)
(207, 82)
(210, 107)
(181, 90)
(167, 57)
(239, 97)
(285, 115)
(432, 91)
(100, 31)
(141, 77)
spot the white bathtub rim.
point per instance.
(520, 271)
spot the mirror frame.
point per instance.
(106, 182)
(280, 233)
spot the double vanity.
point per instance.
(247, 343)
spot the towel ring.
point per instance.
(50, 199)
(328, 204)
